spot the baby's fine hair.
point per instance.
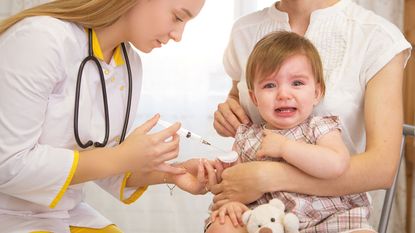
(272, 50)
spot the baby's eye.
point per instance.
(297, 83)
(269, 85)
(178, 19)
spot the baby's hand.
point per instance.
(272, 145)
(194, 180)
(233, 209)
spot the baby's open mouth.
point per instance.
(286, 109)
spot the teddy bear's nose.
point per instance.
(265, 230)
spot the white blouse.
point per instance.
(354, 44)
(39, 61)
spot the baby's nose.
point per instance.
(283, 93)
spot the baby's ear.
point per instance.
(253, 97)
(319, 94)
(245, 216)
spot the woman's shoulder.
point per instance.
(43, 23)
(251, 19)
(380, 38)
(367, 19)
(43, 28)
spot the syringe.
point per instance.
(227, 157)
(184, 132)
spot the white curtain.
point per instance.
(185, 82)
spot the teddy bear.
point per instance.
(270, 218)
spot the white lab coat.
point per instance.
(39, 61)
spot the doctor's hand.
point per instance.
(149, 152)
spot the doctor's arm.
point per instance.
(192, 180)
(373, 169)
(141, 151)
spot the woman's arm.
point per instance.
(373, 169)
(327, 159)
(376, 167)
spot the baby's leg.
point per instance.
(227, 227)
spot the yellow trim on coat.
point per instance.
(108, 229)
(135, 195)
(118, 58)
(67, 182)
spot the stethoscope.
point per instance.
(91, 57)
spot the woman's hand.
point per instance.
(230, 114)
(244, 182)
(148, 152)
(233, 209)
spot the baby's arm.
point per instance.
(329, 158)
(225, 164)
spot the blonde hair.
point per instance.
(87, 13)
(272, 50)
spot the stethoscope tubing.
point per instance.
(130, 93)
(91, 57)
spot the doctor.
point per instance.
(52, 106)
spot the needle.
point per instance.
(226, 157)
(185, 133)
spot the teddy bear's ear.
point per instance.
(245, 216)
(277, 203)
